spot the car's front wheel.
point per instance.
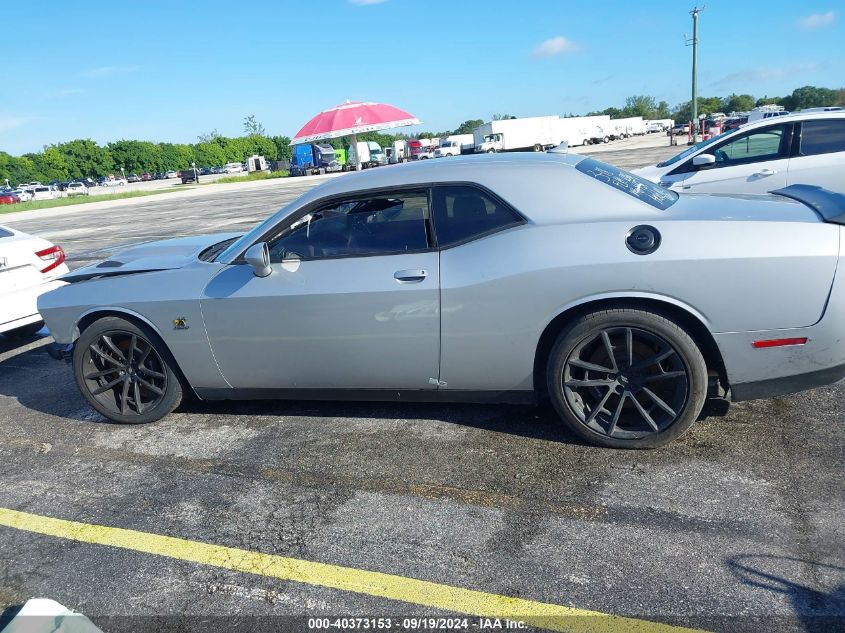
(626, 378)
(125, 371)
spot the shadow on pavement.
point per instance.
(817, 610)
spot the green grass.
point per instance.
(64, 202)
(253, 175)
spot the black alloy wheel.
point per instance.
(627, 379)
(125, 372)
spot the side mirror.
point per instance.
(258, 256)
(703, 161)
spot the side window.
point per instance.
(462, 212)
(754, 146)
(373, 225)
(822, 137)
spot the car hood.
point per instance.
(150, 256)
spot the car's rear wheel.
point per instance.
(125, 371)
(626, 378)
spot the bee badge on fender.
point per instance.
(180, 323)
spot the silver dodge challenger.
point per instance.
(505, 278)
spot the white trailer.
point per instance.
(513, 135)
(580, 130)
(627, 127)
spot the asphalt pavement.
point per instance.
(737, 526)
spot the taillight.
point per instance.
(55, 255)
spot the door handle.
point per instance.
(765, 172)
(411, 276)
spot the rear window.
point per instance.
(822, 137)
(5, 233)
(624, 181)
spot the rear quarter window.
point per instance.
(822, 137)
(626, 182)
(5, 233)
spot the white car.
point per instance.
(759, 157)
(43, 192)
(76, 189)
(171, 174)
(232, 168)
(29, 267)
(116, 182)
(25, 195)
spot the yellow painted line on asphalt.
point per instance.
(420, 592)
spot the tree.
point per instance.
(85, 158)
(283, 150)
(252, 127)
(809, 97)
(468, 126)
(175, 156)
(768, 100)
(209, 154)
(205, 138)
(503, 117)
(640, 105)
(137, 156)
(738, 103)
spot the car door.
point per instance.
(352, 301)
(753, 162)
(820, 159)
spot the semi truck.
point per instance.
(364, 154)
(419, 148)
(313, 158)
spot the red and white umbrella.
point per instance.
(353, 117)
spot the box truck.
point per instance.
(627, 127)
(455, 145)
(514, 135)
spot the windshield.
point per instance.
(624, 181)
(692, 150)
(489, 138)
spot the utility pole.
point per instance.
(695, 131)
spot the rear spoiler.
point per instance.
(828, 204)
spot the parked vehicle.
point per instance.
(511, 135)
(605, 323)
(159, 175)
(170, 173)
(361, 155)
(766, 112)
(76, 189)
(256, 163)
(455, 145)
(340, 156)
(313, 158)
(146, 177)
(133, 178)
(377, 156)
(733, 123)
(397, 152)
(24, 195)
(659, 125)
(29, 267)
(419, 148)
(189, 175)
(679, 128)
(8, 197)
(627, 127)
(233, 168)
(43, 193)
(113, 182)
(760, 157)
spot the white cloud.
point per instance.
(366, 2)
(555, 46)
(10, 122)
(762, 75)
(817, 20)
(109, 71)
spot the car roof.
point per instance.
(794, 116)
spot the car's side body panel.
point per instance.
(157, 298)
(331, 323)
(499, 293)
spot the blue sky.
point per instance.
(169, 71)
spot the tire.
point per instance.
(25, 331)
(491, 151)
(603, 401)
(154, 370)
(606, 139)
(538, 148)
(586, 141)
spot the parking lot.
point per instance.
(735, 527)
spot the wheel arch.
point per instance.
(89, 317)
(687, 317)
